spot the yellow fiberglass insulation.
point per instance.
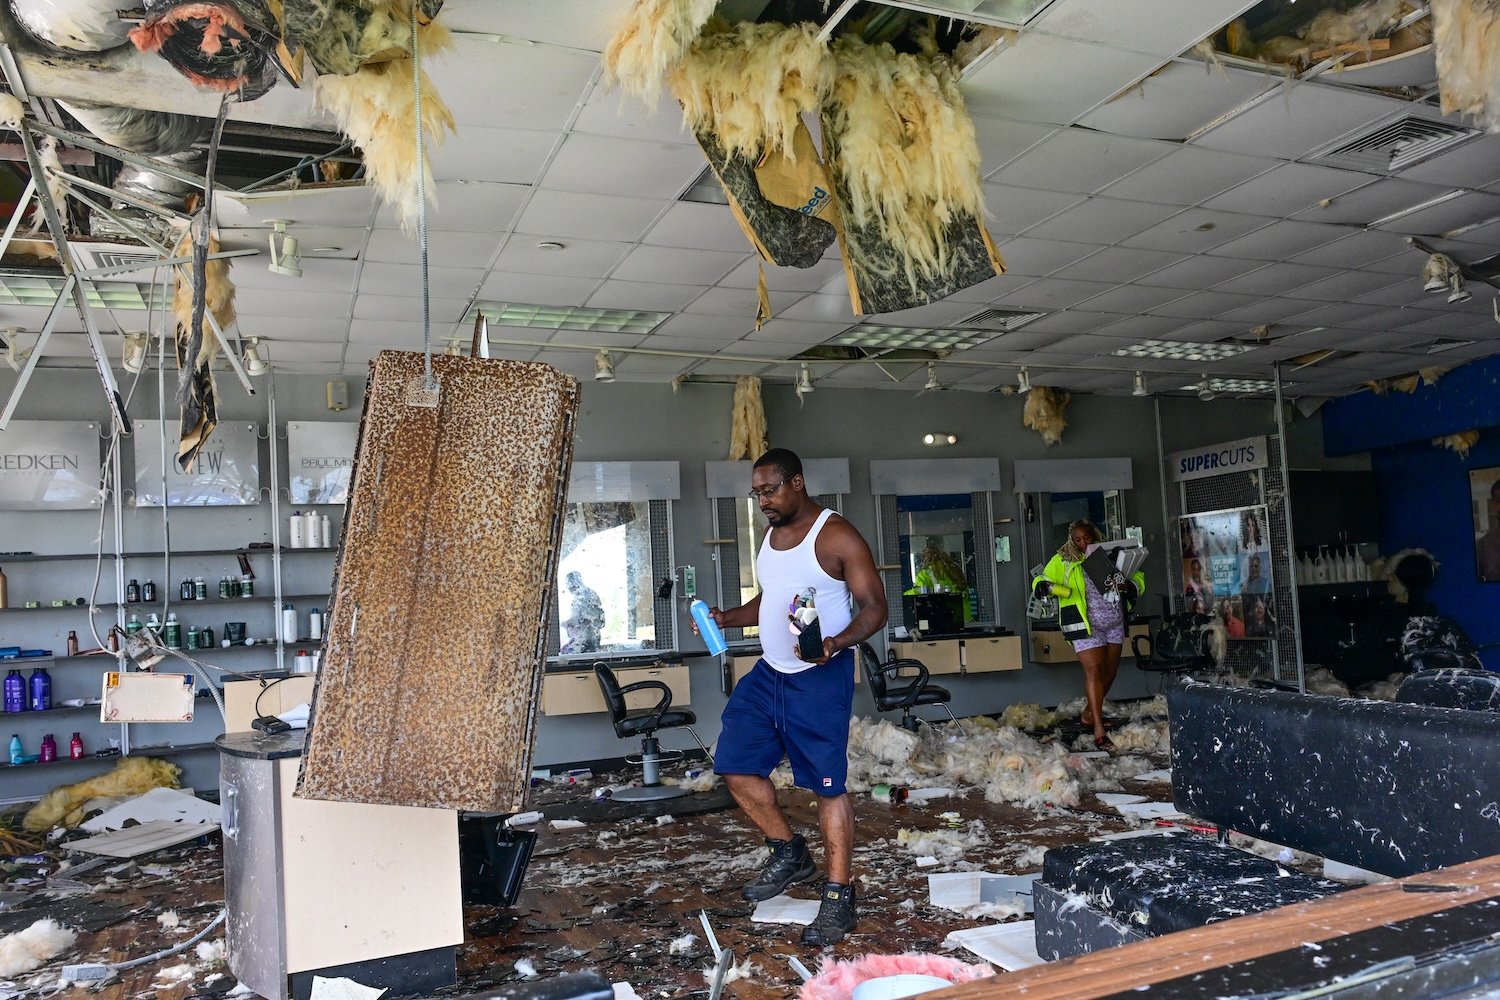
(651, 39)
(748, 85)
(132, 776)
(908, 155)
(1466, 37)
(747, 435)
(218, 297)
(1460, 442)
(1043, 412)
(376, 108)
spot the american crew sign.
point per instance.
(226, 473)
(1218, 459)
(49, 465)
(320, 458)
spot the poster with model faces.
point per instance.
(1226, 569)
(1484, 495)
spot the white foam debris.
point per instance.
(682, 945)
(169, 920)
(525, 968)
(665, 819)
(176, 973)
(210, 952)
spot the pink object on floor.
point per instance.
(836, 980)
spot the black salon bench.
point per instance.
(1397, 788)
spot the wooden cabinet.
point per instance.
(1049, 646)
(991, 653)
(939, 656)
(577, 692)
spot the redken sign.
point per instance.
(1218, 459)
(320, 459)
(49, 465)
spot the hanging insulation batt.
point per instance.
(1043, 412)
(1466, 36)
(904, 158)
(653, 36)
(747, 435)
(224, 46)
(197, 395)
(743, 90)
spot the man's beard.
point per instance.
(775, 520)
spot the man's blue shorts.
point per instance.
(803, 717)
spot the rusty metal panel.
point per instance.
(430, 683)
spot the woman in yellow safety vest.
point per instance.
(1093, 621)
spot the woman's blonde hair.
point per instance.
(1090, 526)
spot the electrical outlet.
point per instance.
(689, 581)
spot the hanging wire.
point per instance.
(201, 226)
(416, 89)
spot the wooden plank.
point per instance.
(1172, 956)
(429, 689)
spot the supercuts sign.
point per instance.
(1218, 459)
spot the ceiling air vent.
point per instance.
(1004, 320)
(97, 256)
(1394, 146)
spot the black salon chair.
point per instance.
(644, 722)
(1180, 644)
(907, 696)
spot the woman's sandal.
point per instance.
(1089, 723)
(1104, 743)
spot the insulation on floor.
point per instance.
(431, 680)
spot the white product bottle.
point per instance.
(1320, 566)
(315, 624)
(298, 531)
(324, 527)
(288, 623)
(303, 664)
(1336, 568)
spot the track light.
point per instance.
(932, 379)
(939, 440)
(1205, 390)
(454, 349)
(285, 259)
(253, 362)
(1023, 381)
(1140, 386)
(1435, 272)
(604, 368)
(804, 380)
(136, 344)
(1457, 292)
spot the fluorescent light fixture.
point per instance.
(1233, 386)
(454, 349)
(524, 314)
(939, 439)
(604, 368)
(875, 337)
(254, 363)
(1140, 386)
(136, 344)
(1023, 381)
(41, 290)
(1178, 350)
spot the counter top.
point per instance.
(262, 746)
(988, 632)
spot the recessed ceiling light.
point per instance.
(1178, 350)
(550, 245)
(567, 317)
(325, 250)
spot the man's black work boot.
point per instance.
(790, 862)
(835, 916)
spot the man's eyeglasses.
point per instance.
(765, 492)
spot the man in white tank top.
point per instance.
(795, 707)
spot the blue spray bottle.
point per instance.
(713, 638)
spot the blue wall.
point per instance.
(1423, 489)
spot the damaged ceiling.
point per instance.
(1140, 187)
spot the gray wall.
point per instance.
(622, 421)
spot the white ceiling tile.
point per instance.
(1138, 328)
(589, 24)
(1195, 230)
(598, 164)
(1187, 176)
(703, 267)
(1338, 314)
(1014, 210)
(538, 85)
(281, 350)
(1470, 165)
(1341, 287)
(1273, 279)
(945, 312)
(387, 333)
(649, 295)
(1132, 298)
(992, 289)
(292, 302)
(794, 279)
(318, 275)
(1179, 100)
(763, 349)
(1373, 201)
(1036, 79)
(452, 249)
(1078, 161)
(1279, 241)
(1170, 27)
(409, 307)
(1287, 190)
(615, 113)
(443, 282)
(343, 205)
(1207, 332)
(820, 308)
(695, 326)
(1073, 321)
(464, 206)
(630, 363)
(590, 216)
(594, 338)
(1401, 293)
(1085, 345)
(1057, 293)
(510, 155)
(1264, 311)
(1203, 305)
(578, 258)
(322, 329)
(1452, 213)
(1386, 318)
(1025, 256)
(743, 302)
(1102, 220)
(1290, 124)
(1118, 264)
(1001, 141)
(539, 289)
(1360, 248)
(1195, 273)
(788, 332)
(699, 226)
